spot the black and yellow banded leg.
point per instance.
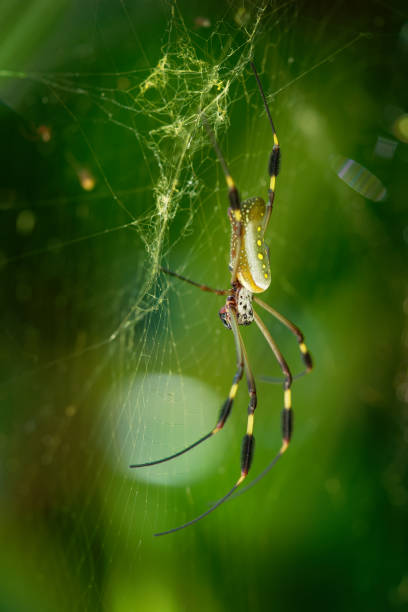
(274, 158)
(226, 408)
(233, 195)
(248, 442)
(287, 420)
(273, 169)
(306, 356)
(232, 190)
(287, 414)
(234, 198)
(235, 216)
(287, 425)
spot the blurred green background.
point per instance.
(106, 174)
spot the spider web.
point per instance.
(116, 363)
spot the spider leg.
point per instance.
(181, 452)
(273, 169)
(198, 285)
(224, 412)
(235, 202)
(278, 381)
(287, 415)
(201, 516)
(259, 477)
(232, 190)
(274, 158)
(306, 357)
(248, 440)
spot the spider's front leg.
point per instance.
(234, 211)
(274, 158)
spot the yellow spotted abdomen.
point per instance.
(253, 269)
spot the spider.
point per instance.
(250, 275)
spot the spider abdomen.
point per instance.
(253, 269)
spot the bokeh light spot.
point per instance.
(400, 127)
(25, 222)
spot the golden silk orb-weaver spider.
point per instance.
(250, 275)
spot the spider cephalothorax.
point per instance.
(245, 313)
(240, 301)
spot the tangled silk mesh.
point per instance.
(193, 75)
(170, 98)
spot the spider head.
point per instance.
(224, 317)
